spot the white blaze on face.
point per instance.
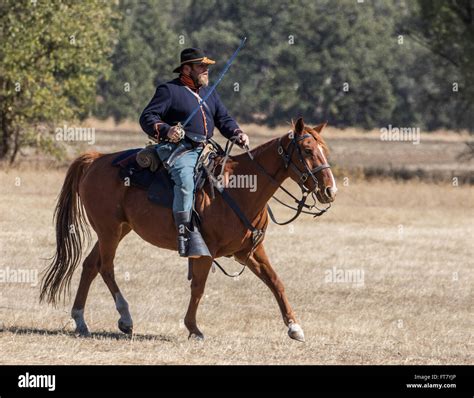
(333, 181)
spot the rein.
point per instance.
(257, 235)
(300, 203)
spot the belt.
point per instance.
(195, 141)
(195, 144)
(188, 141)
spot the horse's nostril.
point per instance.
(330, 192)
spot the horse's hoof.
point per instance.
(82, 332)
(127, 329)
(196, 336)
(295, 332)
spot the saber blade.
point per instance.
(213, 87)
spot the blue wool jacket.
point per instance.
(173, 103)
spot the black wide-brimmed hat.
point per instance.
(193, 56)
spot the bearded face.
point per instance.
(200, 75)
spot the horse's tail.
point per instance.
(70, 230)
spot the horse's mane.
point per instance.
(262, 147)
(257, 150)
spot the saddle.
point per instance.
(142, 168)
(135, 168)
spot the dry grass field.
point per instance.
(410, 241)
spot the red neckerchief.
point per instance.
(187, 81)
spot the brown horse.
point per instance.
(114, 209)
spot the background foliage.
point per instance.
(369, 64)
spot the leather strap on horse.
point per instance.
(301, 203)
(206, 165)
(257, 234)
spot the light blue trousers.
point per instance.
(182, 174)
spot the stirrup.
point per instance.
(190, 241)
(196, 245)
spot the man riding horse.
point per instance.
(172, 103)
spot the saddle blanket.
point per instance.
(158, 185)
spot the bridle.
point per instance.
(287, 156)
(287, 159)
(301, 203)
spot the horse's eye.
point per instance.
(308, 151)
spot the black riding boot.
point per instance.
(190, 241)
(182, 220)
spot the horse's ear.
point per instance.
(320, 127)
(299, 126)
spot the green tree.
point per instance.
(446, 29)
(51, 57)
(145, 56)
(300, 57)
(350, 63)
